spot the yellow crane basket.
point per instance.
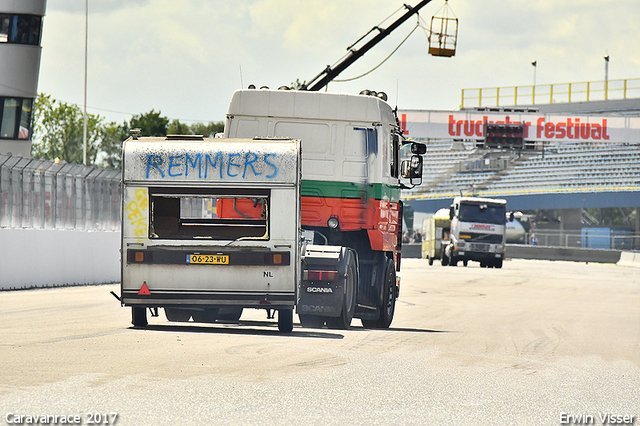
(443, 33)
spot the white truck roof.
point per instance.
(480, 200)
(311, 105)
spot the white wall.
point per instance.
(47, 258)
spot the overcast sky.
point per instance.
(185, 58)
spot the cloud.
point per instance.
(185, 58)
(95, 6)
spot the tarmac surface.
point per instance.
(533, 343)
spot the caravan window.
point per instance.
(201, 213)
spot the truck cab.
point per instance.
(478, 231)
(351, 170)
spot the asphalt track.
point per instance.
(533, 343)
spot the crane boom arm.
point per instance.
(354, 54)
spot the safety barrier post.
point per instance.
(533, 94)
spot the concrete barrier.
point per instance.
(629, 258)
(572, 254)
(48, 258)
(517, 251)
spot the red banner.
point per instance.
(537, 127)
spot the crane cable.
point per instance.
(385, 59)
(445, 15)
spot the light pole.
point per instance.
(533, 91)
(86, 38)
(606, 77)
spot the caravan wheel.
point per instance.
(285, 320)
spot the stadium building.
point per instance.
(20, 51)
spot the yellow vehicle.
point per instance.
(435, 229)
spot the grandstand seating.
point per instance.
(560, 166)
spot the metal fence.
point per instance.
(44, 194)
(582, 240)
(551, 93)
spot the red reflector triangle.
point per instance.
(144, 290)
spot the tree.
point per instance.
(150, 124)
(111, 144)
(58, 131)
(177, 128)
(207, 130)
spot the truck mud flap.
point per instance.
(322, 299)
(322, 290)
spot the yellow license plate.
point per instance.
(208, 259)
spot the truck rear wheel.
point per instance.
(285, 320)
(349, 300)
(177, 314)
(139, 316)
(388, 302)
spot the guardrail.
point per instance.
(45, 194)
(551, 93)
(568, 254)
(585, 239)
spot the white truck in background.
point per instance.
(478, 232)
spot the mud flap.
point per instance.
(322, 290)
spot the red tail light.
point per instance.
(139, 256)
(320, 275)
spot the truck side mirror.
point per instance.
(451, 212)
(511, 217)
(412, 170)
